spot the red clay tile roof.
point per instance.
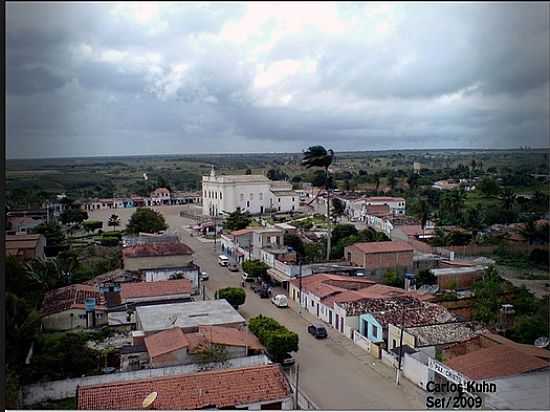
(494, 362)
(356, 301)
(383, 247)
(174, 339)
(230, 336)
(241, 232)
(218, 388)
(168, 340)
(323, 284)
(154, 289)
(158, 191)
(528, 349)
(70, 297)
(384, 199)
(420, 313)
(157, 249)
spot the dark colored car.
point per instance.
(318, 331)
(262, 291)
(286, 362)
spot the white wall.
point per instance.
(416, 371)
(158, 275)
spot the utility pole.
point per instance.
(400, 346)
(296, 386)
(300, 285)
(215, 230)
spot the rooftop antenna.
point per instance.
(149, 400)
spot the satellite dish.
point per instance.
(148, 401)
(542, 342)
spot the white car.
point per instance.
(281, 301)
(204, 276)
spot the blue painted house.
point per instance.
(371, 328)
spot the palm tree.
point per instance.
(318, 156)
(392, 181)
(508, 198)
(114, 221)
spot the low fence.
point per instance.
(66, 388)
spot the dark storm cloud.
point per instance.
(116, 78)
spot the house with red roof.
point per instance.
(253, 388)
(160, 196)
(162, 261)
(380, 256)
(25, 247)
(65, 308)
(173, 346)
(148, 292)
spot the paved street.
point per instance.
(334, 373)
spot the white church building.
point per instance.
(255, 194)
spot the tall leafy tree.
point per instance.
(338, 207)
(318, 156)
(147, 221)
(237, 220)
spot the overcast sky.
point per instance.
(156, 78)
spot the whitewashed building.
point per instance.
(255, 194)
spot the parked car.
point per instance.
(247, 278)
(204, 276)
(286, 362)
(281, 301)
(317, 330)
(223, 260)
(262, 291)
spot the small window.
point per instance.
(394, 343)
(248, 204)
(279, 199)
(220, 195)
(375, 331)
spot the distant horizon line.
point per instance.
(274, 153)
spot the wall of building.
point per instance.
(370, 333)
(141, 263)
(389, 260)
(177, 357)
(394, 333)
(182, 296)
(461, 280)
(64, 320)
(416, 371)
(126, 359)
(191, 273)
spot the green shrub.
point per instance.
(277, 339)
(235, 296)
